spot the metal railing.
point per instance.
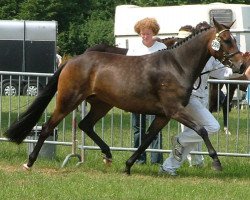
(116, 127)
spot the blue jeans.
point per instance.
(139, 126)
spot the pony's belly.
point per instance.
(142, 107)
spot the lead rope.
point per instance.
(199, 78)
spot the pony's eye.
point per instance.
(228, 41)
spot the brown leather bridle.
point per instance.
(226, 56)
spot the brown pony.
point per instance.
(159, 84)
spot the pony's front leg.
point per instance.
(184, 117)
(216, 164)
(157, 124)
(145, 143)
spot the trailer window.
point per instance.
(223, 16)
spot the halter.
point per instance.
(226, 56)
(216, 43)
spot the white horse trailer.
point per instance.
(171, 18)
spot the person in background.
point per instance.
(146, 28)
(58, 57)
(188, 139)
(185, 31)
(194, 160)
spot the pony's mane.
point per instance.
(184, 40)
(169, 41)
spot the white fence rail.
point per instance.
(116, 127)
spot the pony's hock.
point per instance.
(47, 150)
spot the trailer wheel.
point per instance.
(31, 89)
(10, 89)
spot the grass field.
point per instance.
(93, 180)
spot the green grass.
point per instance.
(93, 180)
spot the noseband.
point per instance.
(227, 56)
(217, 43)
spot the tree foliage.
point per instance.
(82, 23)
(8, 9)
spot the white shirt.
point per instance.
(221, 72)
(141, 49)
(58, 59)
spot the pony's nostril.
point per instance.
(242, 68)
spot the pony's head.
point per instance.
(224, 47)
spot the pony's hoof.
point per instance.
(217, 166)
(26, 167)
(127, 171)
(227, 132)
(107, 161)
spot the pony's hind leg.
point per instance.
(47, 130)
(97, 111)
(65, 103)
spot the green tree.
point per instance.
(39, 9)
(8, 9)
(82, 23)
(73, 41)
(99, 31)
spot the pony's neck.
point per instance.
(193, 54)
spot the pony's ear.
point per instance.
(216, 24)
(230, 25)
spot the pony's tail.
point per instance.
(19, 130)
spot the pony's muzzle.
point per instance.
(242, 68)
(237, 67)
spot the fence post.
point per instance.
(74, 142)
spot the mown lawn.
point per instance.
(93, 180)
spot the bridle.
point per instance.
(216, 44)
(226, 56)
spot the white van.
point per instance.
(171, 18)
